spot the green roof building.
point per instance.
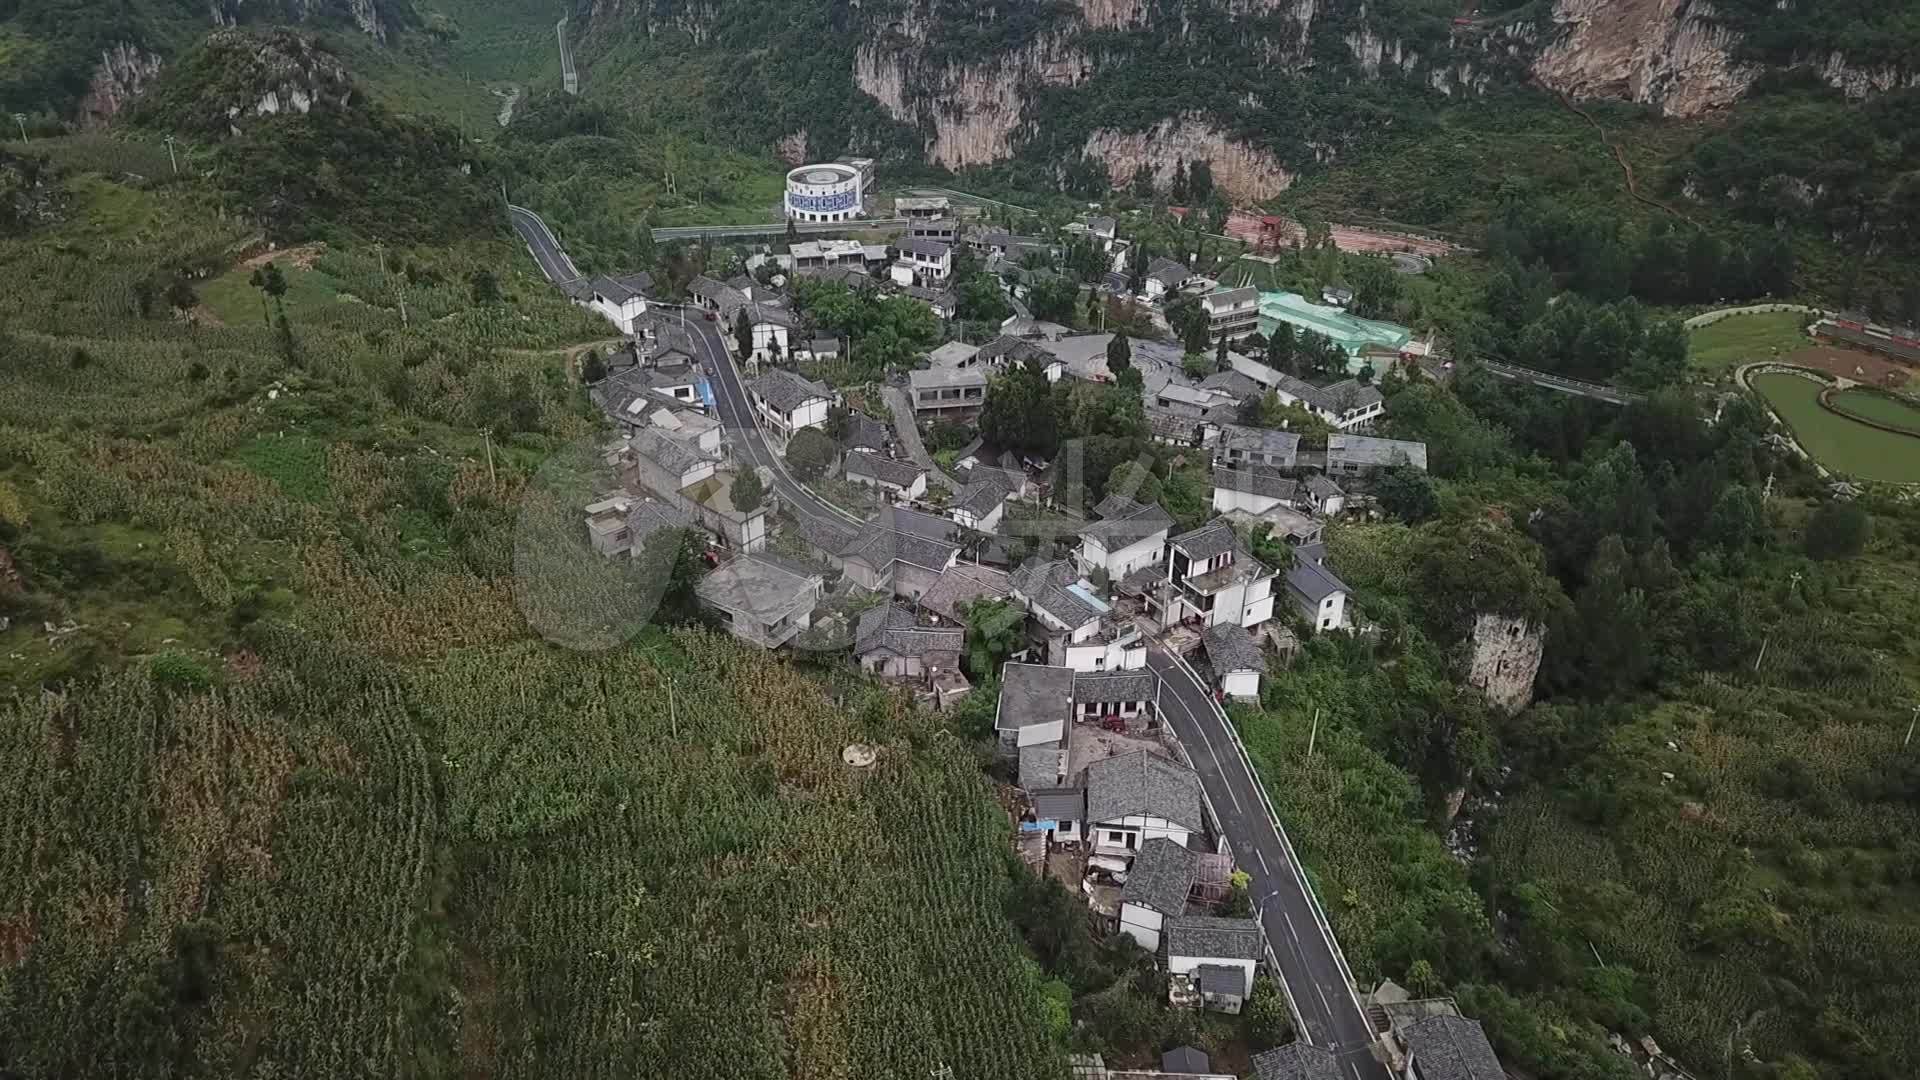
(1349, 332)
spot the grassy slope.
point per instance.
(1837, 442)
(416, 861)
(1742, 339)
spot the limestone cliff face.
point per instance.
(377, 18)
(1506, 657)
(1670, 54)
(124, 73)
(973, 110)
(1243, 173)
(1675, 55)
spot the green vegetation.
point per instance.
(1744, 339)
(1880, 407)
(1706, 805)
(1835, 441)
(312, 795)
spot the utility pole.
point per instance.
(171, 160)
(21, 119)
(1315, 733)
(1910, 725)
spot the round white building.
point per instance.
(828, 192)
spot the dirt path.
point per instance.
(1626, 167)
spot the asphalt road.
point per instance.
(544, 246)
(729, 392)
(736, 416)
(1299, 946)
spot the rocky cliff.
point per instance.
(1244, 174)
(124, 73)
(1683, 57)
(236, 76)
(1505, 659)
(378, 18)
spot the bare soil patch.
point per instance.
(1864, 367)
(301, 257)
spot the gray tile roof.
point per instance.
(1033, 694)
(1348, 395)
(1105, 687)
(787, 391)
(1295, 1061)
(1365, 452)
(754, 586)
(1211, 936)
(624, 287)
(717, 292)
(1012, 349)
(649, 516)
(1322, 488)
(1045, 585)
(1232, 382)
(1040, 766)
(1220, 979)
(920, 245)
(1229, 649)
(882, 468)
(667, 453)
(1123, 522)
(865, 432)
(1161, 263)
(1256, 481)
(1213, 538)
(963, 583)
(1101, 225)
(1161, 876)
(980, 497)
(1313, 581)
(1452, 1048)
(1059, 804)
(1143, 783)
(1221, 299)
(894, 629)
(1285, 444)
(1185, 1059)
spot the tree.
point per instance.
(1200, 181)
(271, 283)
(1196, 365)
(1119, 355)
(1268, 1022)
(592, 368)
(1281, 349)
(982, 300)
(143, 297)
(748, 491)
(742, 334)
(484, 286)
(644, 251)
(283, 335)
(1837, 530)
(1220, 361)
(181, 297)
(994, 630)
(809, 453)
(1019, 413)
(1407, 493)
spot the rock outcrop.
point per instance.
(1506, 657)
(972, 110)
(1671, 54)
(1244, 174)
(376, 18)
(124, 73)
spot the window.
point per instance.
(1119, 838)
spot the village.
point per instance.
(831, 529)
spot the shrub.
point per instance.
(178, 671)
(1838, 530)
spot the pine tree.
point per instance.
(743, 334)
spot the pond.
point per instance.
(1835, 441)
(1879, 408)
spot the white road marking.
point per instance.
(1262, 859)
(1290, 930)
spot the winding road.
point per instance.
(1300, 944)
(735, 411)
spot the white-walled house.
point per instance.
(979, 506)
(1132, 695)
(1128, 536)
(1156, 891)
(902, 479)
(1139, 797)
(621, 299)
(1166, 277)
(1216, 580)
(1236, 660)
(1074, 624)
(786, 402)
(1240, 447)
(1057, 811)
(761, 601)
(1216, 956)
(1258, 490)
(1317, 593)
(929, 260)
(666, 464)
(1036, 705)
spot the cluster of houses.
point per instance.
(1107, 803)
